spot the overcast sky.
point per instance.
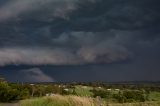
(80, 40)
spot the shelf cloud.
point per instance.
(85, 51)
(108, 34)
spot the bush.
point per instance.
(101, 93)
(130, 96)
(120, 97)
(7, 94)
(10, 93)
(134, 96)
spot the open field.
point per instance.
(83, 91)
(58, 100)
(79, 94)
(85, 98)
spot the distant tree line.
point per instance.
(12, 92)
(122, 96)
(127, 93)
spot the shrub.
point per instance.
(134, 95)
(101, 93)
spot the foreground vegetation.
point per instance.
(80, 94)
(58, 100)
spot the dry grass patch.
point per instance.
(59, 100)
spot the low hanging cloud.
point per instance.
(35, 75)
(34, 56)
(68, 49)
(85, 55)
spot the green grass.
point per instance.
(136, 104)
(83, 99)
(59, 100)
(83, 91)
(154, 96)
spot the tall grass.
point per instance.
(136, 104)
(59, 100)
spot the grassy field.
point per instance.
(82, 100)
(83, 91)
(154, 96)
(58, 100)
(84, 96)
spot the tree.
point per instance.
(7, 94)
(134, 95)
(2, 79)
(48, 89)
(12, 92)
(101, 93)
(41, 90)
(120, 97)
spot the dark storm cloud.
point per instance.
(12, 9)
(74, 32)
(115, 14)
(69, 48)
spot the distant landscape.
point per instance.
(79, 94)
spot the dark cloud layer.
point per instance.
(77, 33)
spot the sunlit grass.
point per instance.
(154, 96)
(59, 100)
(83, 91)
